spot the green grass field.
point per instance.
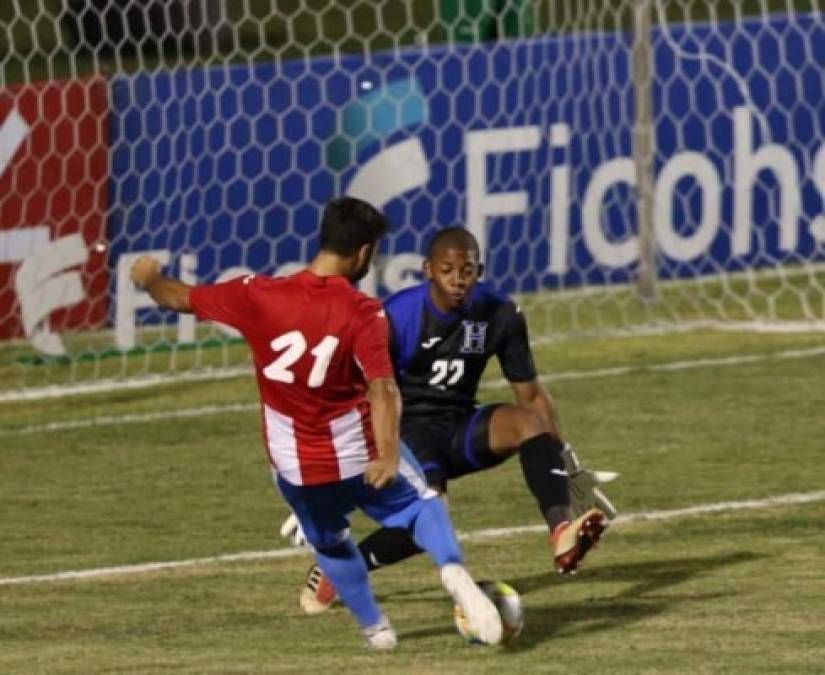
(738, 591)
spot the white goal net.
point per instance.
(626, 164)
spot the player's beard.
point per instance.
(360, 270)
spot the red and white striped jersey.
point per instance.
(315, 341)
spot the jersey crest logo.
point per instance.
(475, 335)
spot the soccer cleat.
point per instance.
(381, 635)
(481, 613)
(318, 593)
(571, 541)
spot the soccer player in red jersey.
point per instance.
(443, 334)
(330, 409)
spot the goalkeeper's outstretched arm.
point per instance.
(169, 293)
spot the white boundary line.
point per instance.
(130, 418)
(501, 383)
(144, 381)
(750, 326)
(719, 362)
(477, 535)
(138, 382)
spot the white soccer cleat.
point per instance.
(481, 613)
(381, 635)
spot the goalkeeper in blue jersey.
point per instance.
(443, 333)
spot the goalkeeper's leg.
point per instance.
(514, 429)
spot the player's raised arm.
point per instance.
(385, 405)
(169, 293)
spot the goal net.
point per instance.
(626, 165)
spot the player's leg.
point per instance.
(382, 547)
(442, 450)
(409, 504)
(389, 545)
(512, 429)
(322, 510)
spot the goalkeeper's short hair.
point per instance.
(453, 237)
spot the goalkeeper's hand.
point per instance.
(583, 486)
(292, 530)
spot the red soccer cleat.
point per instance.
(572, 540)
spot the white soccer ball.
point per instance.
(508, 603)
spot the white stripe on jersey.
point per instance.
(350, 444)
(282, 445)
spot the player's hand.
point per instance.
(583, 486)
(381, 472)
(291, 529)
(144, 270)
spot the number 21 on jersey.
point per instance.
(292, 346)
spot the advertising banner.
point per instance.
(526, 142)
(53, 202)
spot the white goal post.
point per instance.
(626, 165)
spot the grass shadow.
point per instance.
(641, 600)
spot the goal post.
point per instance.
(643, 146)
(625, 164)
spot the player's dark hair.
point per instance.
(349, 223)
(453, 237)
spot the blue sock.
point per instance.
(433, 531)
(345, 567)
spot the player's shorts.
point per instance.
(322, 510)
(452, 446)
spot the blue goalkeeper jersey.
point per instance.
(439, 358)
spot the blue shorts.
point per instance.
(322, 510)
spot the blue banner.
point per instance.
(527, 143)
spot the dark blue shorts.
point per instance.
(451, 446)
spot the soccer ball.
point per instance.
(508, 603)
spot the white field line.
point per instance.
(138, 382)
(671, 366)
(477, 535)
(131, 418)
(144, 381)
(490, 384)
(752, 326)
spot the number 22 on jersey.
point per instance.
(443, 367)
(292, 346)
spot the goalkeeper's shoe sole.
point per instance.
(572, 541)
(318, 593)
(481, 613)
